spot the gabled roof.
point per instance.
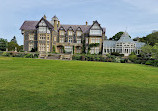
(84, 28)
(125, 38)
(49, 25)
(29, 25)
(95, 22)
(55, 18)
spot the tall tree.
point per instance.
(14, 40)
(117, 36)
(146, 51)
(12, 45)
(152, 38)
(155, 51)
(3, 44)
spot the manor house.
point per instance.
(51, 36)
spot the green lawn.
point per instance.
(51, 85)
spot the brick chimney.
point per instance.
(58, 23)
(44, 17)
(86, 23)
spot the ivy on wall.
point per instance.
(53, 49)
(83, 47)
(92, 45)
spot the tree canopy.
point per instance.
(117, 36)
(3, 44)
(149, 51)
(14, 40)
(150, 39)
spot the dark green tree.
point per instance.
(12, 45)
(3, 44)
(152, 38)
(117, 36)
(14, 40)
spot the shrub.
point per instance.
(149, 62)
(133, 58)
(6, 54)
(103, 59)
(115, 54)
(117, 59)
(155, 63)
(76, 57)
(1, 53)
(36, 55)
(124, 60)
(138, 61)
(28, 56)
(19, 55)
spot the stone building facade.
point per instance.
(51, 36)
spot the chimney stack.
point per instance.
(44, 17)
(86, 23)
(55, 25)
(58, 23)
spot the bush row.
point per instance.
(111, 58)
(28, 55)
(140, 60)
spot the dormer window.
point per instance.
(62, 32)
(70, 33)
(79, 33)
(96, 29)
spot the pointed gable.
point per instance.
(96, 29)
(79, 29)
(44, 22)
(61, 28)
(125, 38)
(96, 26)
(70, 29)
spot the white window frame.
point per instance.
(61, 40)
(70, 33)
(79, 33)
(70, 40)
(78, 40)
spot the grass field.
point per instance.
(51, 85)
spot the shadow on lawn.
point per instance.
(81, 98)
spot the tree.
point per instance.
(3, 44)
(136, 39)
(20, 48)
(12, 45)
(155, 51)
(14, 40)
(117, 36)
(152, 38)
(146, 51)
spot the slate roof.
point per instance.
(125, 38)
(31, 25)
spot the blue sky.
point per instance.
(139, 16)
